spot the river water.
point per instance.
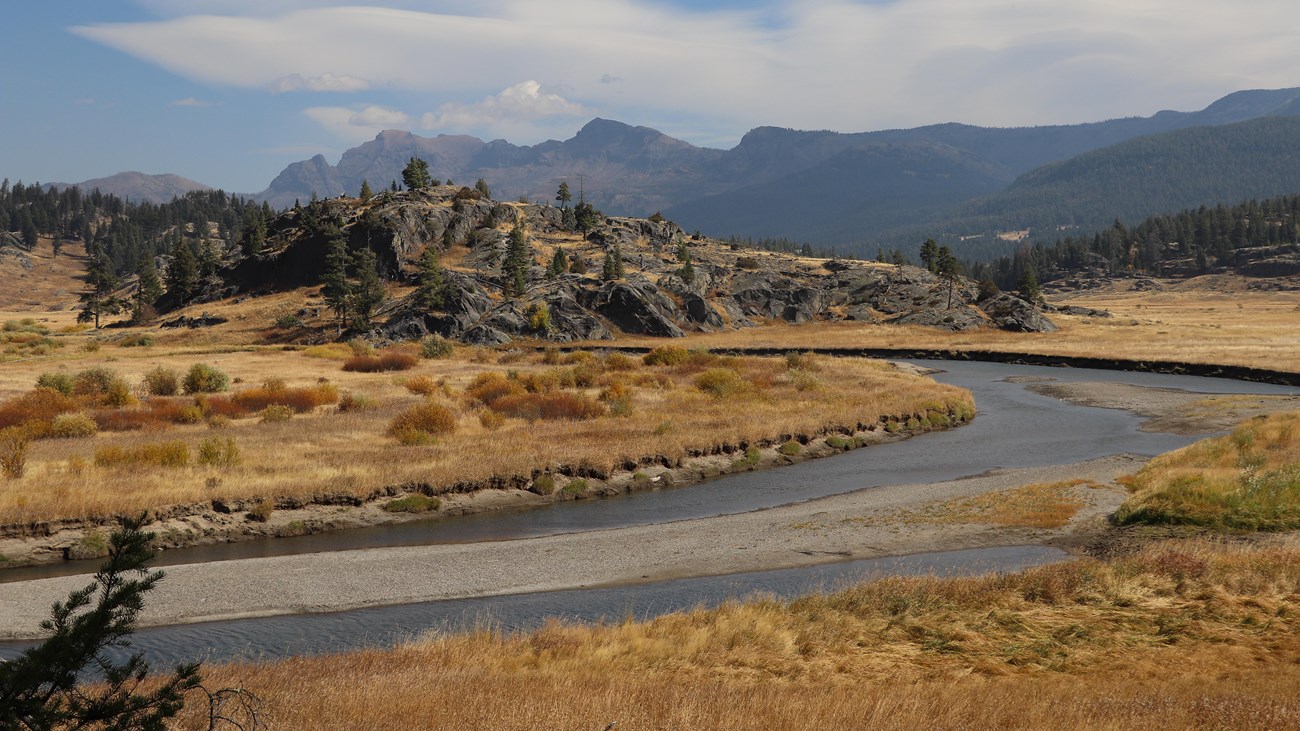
(1015, 427)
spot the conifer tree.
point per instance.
(147, 291)
(182, 273)
(514, 269)
(42, 688)
(367, 288)
(337, 289)
(209, 259)
(97, 298)
(481, 186)
(366, 193)
(948, 269)
(416, 174)
(431, 290)
(563, 195)
(559, 263)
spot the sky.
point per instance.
(228, 92)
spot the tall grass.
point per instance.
(1248, 480)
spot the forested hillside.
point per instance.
(1257, 236)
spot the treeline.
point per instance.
(1188, 242)
(786, 246)
(123, 233)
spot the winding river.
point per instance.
(1015, 427)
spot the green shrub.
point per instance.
(276, 413)
(892, 427)
(751, 459)
(436, 347)
(413, 503)
(747, 262)
(287, 321)
(790, 448)
(137, 340)
(162, 381)
(577, 487)
(838, 442)
(58, 381)
(539, 317)
(543, 485)
(71, 426)
(219, 452)
(203, 378)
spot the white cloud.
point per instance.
(356, 124)
(840, 64)
(522, 103)
(190, 101)
(324, 82)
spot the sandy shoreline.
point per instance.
(841, 527)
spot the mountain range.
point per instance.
(855, 191)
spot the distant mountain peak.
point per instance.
(139, 187)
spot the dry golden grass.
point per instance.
(1050, 505)
(1181, 635)
(650, 410)
(1191, 323)
(1248, 480)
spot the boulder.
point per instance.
(959, 319)
(636, 306)
(1009, 312)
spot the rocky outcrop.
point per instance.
(636, 306)
(1009, 312)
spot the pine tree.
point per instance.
(366, 193)
(41, 688)
(563, 195)
(182, 273)
(586, 218)
(431, 290)
(930, 255)
(948, 269)
(416, 174)
(618, 262)
(97, 298)
(514, 269)
(147, 291)
(481, 186)
(209, 259)
(559, 263)
(367, 288)
(337, 289)
(577, 264)
(613, 266)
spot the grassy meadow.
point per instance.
(120, 426)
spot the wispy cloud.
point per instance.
(190, 101)
(523, 103)
(841, 64)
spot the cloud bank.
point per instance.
(818, 64)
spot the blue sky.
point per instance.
(228, 92)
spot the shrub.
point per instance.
(667, 355)
(803, 380)
(275, 413)
(162, 381)
(218, 452)
(261, 512)
(360, 347)
(71, 426)
(436, 347)
(539, 317)
(13, 451)
(351, 401)
(300, 399)
(422, 422)
(747, 262)
(160, 454)
(619, 362)
(548, 406)
(543, 485)
(790, 448)
(389, 360)
(802, 362)
(838, 442)
(203, 378)
(57, 381)
(39, 405)
(330, 351)
(488, 386)
(101, 386)
(421, 385)
(664, 427)
(287, 321)
(491, 420)
(577, 487)
(721, 382)
(414, 503)
(137, 340)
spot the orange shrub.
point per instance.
(301, 399)
(428, 418)
(557, 405)
(489, 386)
(389, 360)
(421, 385)
(38, 405)
(132, 419)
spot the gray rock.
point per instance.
(1009, 312)
(959, 319)
(636, 306)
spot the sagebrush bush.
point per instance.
(548, 406)
(424, 420)
(261, 511)
(543, 485)
(203, 378)
(491, 420)
(668, 355)
(620, 362)
(301, 399)
(219, 452)
(790, 448)
(577, 487)
(158, 454)
(389, 360)
(58, 381)
(436, 347)
(721, 382)
(72, 426)
(275, 413)
(488, 386)
(14, 442)
(352, 401)
(421, 385)
(137, 340)
(161, 381)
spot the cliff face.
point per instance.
(670, 284)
